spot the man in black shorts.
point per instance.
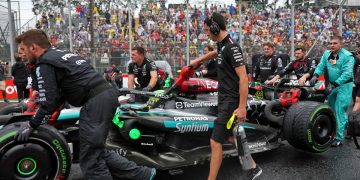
(232, 90)
(142, 69)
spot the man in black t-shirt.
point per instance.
(266, 65)
(210, 67)
(142, 69)
(232, 91)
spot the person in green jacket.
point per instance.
(337, 65)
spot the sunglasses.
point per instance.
(333, 43)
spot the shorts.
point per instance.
(2, 85)
(226, 108)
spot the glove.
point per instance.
(147, 88)
(313, 80)
(329, 88)
(199, 74)
(24, 132)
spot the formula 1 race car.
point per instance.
(177, 134)
(168, 132)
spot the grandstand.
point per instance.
(160, 26)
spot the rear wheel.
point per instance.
(45, 155)
(310, 126)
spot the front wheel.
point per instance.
(310, 126)
(46, 155)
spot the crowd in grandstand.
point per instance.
(163, 30)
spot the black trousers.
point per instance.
(22, 92)
(95, 162)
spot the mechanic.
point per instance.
(303, 67)
(20, 74)
(143, 69)
(210, 68)
(65, 75)
(113, 76)
(356, 93)
(337, 65)
(232, 91)
(266, 65)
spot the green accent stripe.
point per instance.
(7, 136)
(66, 116)
(248, 127)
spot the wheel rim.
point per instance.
(26, 166)
(29, 161)
(322, 129)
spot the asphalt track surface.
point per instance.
(284, 163)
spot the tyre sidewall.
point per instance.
(320, 109)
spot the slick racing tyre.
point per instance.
(12, 108)
(310, 126)
(44, 156)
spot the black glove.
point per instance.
(329, 88)
(313, 80)
(24, 132)
(199, 74)
(147, 88)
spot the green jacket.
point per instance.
(339, 73)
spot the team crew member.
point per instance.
(62, 71)
(143, 69)
(210, 68)
(337, 65)
(3, 71)
(267, 64)
(303, 67)
(20, 73)
(232, 91)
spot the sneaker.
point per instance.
(254, 173)
(336, 143)
(153, 174)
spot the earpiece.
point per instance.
(214, 28)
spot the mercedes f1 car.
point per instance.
(168, 132)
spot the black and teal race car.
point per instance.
(167, 132)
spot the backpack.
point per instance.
(354, 126)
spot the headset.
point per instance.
(214, 28)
